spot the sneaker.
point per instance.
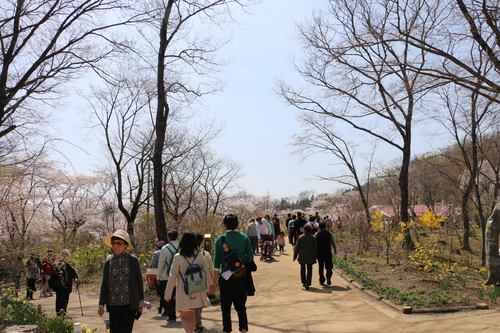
(173, 320)
(329, 281)
(198, 328)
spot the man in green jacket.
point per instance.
(233, 290)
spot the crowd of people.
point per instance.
(230, 271)
(56, 275)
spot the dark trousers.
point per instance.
(121, 318)
(168, 307)
(233, 291)
(325, 263)
(291, 236)
(306, 274)
(253, 242)
(62, 298)
(30, 288)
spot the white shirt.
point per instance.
(262, 229)
(166, 256)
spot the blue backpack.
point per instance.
(195, 278)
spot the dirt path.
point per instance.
(281, 304)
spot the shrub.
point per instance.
(17, 311)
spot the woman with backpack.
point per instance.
(188, 260)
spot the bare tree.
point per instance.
(357, 74)
(183, 53)
(468, 115)
(218, 176)
(320, 136)
(44, 44)
(456, 50)
(123, 109)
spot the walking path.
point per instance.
(281, 304)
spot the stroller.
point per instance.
(266, 246)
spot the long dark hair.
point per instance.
(188, 244)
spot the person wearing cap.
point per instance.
(122, 290)
(61, 281)
(33, 269)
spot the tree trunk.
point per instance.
(403, 187)
(491, 245)
(162, 113)
(465, 215)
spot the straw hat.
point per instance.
(119, 233)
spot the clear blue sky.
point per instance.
(258, 124)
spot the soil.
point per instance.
(425, 287)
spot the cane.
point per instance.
(79, 297)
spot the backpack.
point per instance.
(233, 261)
(195, 278)
(169, 264)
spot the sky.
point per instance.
(258, 125)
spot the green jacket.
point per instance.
(236, 241)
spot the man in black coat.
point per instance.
(305, 251)
(325, 243)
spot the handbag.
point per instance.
(233, 261)
(251, 266)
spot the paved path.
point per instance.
(282, 305)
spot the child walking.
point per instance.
(281, 241)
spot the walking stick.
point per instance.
(79, 297)
(41, 286)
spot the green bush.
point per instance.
(17, 311)
(90, 261)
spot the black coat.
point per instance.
(62, 277)
(305, 249)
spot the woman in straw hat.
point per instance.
(122, 291)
